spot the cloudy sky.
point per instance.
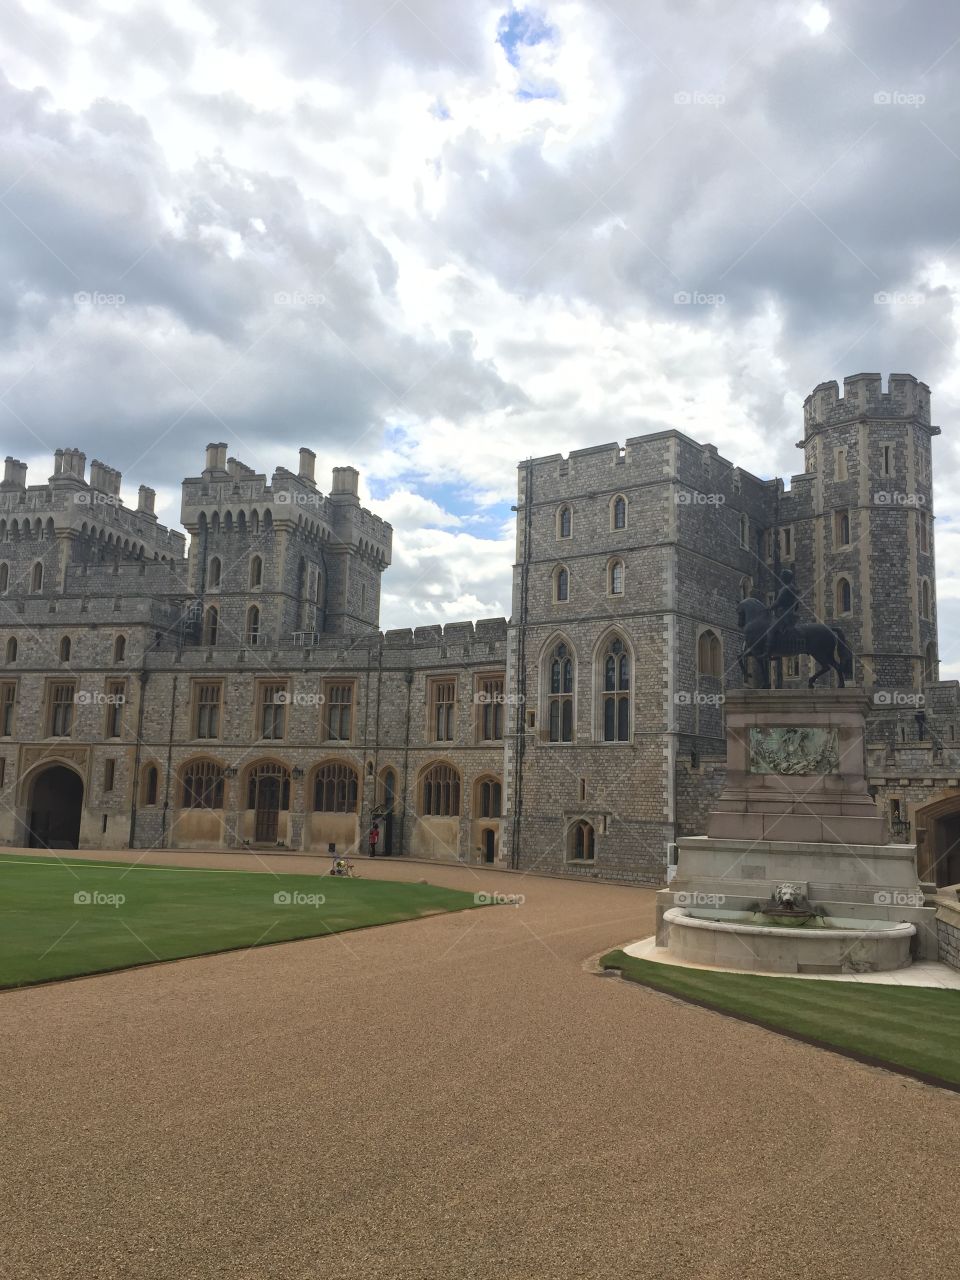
(432, 238)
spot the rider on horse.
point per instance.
(785, 609)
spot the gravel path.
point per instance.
(451, 1097)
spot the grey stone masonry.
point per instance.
(236, 690)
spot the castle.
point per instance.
(237, 693)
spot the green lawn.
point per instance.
(47, 931)
(914, 1028)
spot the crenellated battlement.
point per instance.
(864, 397)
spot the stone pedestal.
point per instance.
(796, 809)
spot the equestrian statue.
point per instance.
(776, 633)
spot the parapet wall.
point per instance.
(864, 397)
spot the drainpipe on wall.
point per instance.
(520, 710)
(166, 793)
(142, 675)
(408, 677)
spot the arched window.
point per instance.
(36, 579)
(561, 584)
(618, 512)
(254, 522)
(256, 571)
(440, 792)
(615, 692)
(615, 578)
(489, 798)
(214, 575)
(65, 649)
(4, 576)
(930, 663)
(560, 694)
(268, 787)
(710, 655)
(581, 842)
(843, 528)
(746, 588)
(335, 789)
(564, 523)
(924, 598)
(253, 625)
(150, 785)
(12, 649)
(119, 648)
(211, 625)
(844, 597)
(202, 785)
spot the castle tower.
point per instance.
(868, 458)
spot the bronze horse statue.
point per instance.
(762, 640)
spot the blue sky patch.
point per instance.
(520, 27)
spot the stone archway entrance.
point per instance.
(54, 809)
(937, 827)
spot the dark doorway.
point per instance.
(947, 849)
(56, 805)
(489, 844)
(267, 811)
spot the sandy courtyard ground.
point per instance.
(452, 1097)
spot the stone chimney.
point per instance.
(216, 457)
(308, 464)
(14, 473)
(146, 500)
(346, 483)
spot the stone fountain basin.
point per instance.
(838, 944)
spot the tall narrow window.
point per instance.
(253, 625)
(207, 712)
(272, 711)
(924, 518)
(65, 649)
(109, 774)
(119, 648)
(62, 702)
(615, 583)
(211, 625)
(36, 579)
(930, 663)
(560, 697)
(444, 700)
(490, 704)
(618, 512)
(214, 575)
(256, 571)
(12, 649)
(582, 842)
(745, 532)
(4, 577)
(840, 463)
(710, 655)
(886, 461)
(440, 792)
(151, 783)
(842, 528)
(924, 598)
(844, 596)
(564, 523)
(339, 709)
(8, 702)
(561, 584)
(616, 693)
(116, 697)
(489, 793)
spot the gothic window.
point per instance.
(618, 512)
(338, 701)
(615, 693)
(930, 663)
(844, 596)
(710, 655)
(924, 519)
(268, 787)
(561, 584)
(746, 588)
(560, 694)
(440, 792)
(272, 711)
(36, 580)
(256, 571)
(842, 528)
(214, 575)
(564, 523)
(335, 789)
(150, 785)
(12, 649)
(119, 648)
(615, 578)
(581, 842)
(8, 702)
(206, 713)
(924, 598)
(211, 625)
(202, 785)
(253, 625)
(65, 649)
(60, 709)
(4, 576)
(489, 798)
